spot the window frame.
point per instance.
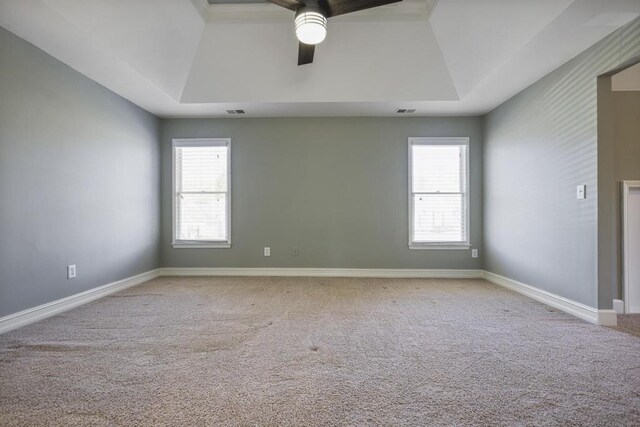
(199, 244)
(457, 141)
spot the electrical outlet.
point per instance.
(474, 253)
(296, 251)
(71, 271)
(581, 192)
(267, 251)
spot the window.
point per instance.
(438, 193)
(201, 193)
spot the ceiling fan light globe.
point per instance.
(311, 27)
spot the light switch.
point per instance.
(581, 192)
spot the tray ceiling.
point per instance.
(190, 58)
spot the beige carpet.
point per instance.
(629, 323)
(318, 352)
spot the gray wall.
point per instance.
(539, 146)
(618, 160)
(336, 188)
(79, 181)
(85, 178)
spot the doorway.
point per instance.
(631, 245)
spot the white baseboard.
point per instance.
(325, 272)
(618, 306)
(607, 317)
(590, 314)
(49, 309)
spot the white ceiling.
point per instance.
(186, 58)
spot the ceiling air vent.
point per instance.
(236, 112)
(405, 110)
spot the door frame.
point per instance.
(626, 189)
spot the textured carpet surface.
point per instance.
(629, 323)
(316, 352)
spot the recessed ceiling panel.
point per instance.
(358, 61)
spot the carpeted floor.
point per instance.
(318, 352)
(629, 323)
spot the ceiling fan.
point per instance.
(311, 19)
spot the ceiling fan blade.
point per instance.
(305, 53)
(287, 4)
(341, 7)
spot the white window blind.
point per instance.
(438, 192)
(201, 192)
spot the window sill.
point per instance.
(432, 246)
(201, 245)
